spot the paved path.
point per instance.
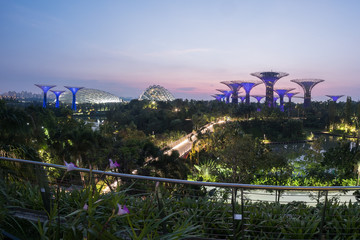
(185, 146)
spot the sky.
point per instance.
(186, 46)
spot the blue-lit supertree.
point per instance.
(234, 87)
(57, 95)
(74, 90)
(242, 98)
(226, 93)
(334, 97)
(282, 92)
(275, 99)
(219, 97)
(290, 95)
(258, 98)
(307, 85)
(269, 79)
(45, 89)
(248, 86)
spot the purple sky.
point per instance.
(188, 47)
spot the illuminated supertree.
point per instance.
(74, 90)
(57, 94)
(242, 98)
(234, 86)
(290, 95)
(45, 89)
(269, 79)
(248, 86)
(219, 97)
(334, 97)
(275, 99)
(307, 85)
(281, 92)
(258, 98)
(227, 94)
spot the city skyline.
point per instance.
(187, 47)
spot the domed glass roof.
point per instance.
(89, 95)
(156, 93)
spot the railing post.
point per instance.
(242, 212)
(322, 223)
(233, 203)
(43, 182)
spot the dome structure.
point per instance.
(156, 93)
(89, 95)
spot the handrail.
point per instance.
(198, 183)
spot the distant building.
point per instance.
(89, 95)
(156, 93)
(23, 95)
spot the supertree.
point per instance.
(45, 89)
(234, 87)
(269, 79)
(258, 98)
(74, 90)
(290, 95)
(57, 94)
(226, 93)
(334, 97)
(248, 86)
(281, 92)
(275, 99)
(307, 85)
(219, 97)
(242, 98)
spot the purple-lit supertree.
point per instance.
(290, 95)
(269, 79)
(57, 95)
(248, 86)
(234, 87)
(226, 93)
(45, 89)
(258, 98)
(74, 90)
(242, 98)
(334, 97)
(218, 97)
(275, 99)
(307, 85)
(281, 92)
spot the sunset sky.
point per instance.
(187, 46)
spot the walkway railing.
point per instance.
(222, 210)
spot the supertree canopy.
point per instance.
(281, 92)
(290, 95)
(57, 95)
(45, 89)
(234, 87)
(269, 79)
(258, 97)
(307, 85)
(334, 97)
(226, 93)
(248, 86)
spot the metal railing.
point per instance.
(242, 211)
